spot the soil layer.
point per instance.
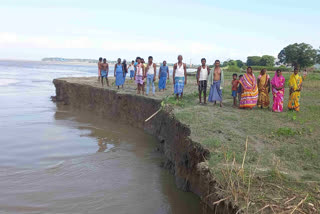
(185, 158)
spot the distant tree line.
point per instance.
(293, 56)
(59, 59)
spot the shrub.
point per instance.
(233, 69)
(285, 131)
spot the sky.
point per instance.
(34, 29)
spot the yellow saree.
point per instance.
(295, 84)
(263, 87)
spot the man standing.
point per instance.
(179, 77)
(151, 75)
(99, 68)
(139, 76)
(125, 69)
(119, 73)
(163, 76)
(202, 78)
(104, 71)
(216, 81)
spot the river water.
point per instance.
(55, 160)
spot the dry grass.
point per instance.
(282, 158)
(264, 162)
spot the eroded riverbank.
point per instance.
(184, 157)
(55, 159)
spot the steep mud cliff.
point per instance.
(184, 158)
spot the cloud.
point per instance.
(7, 38)
(119, 44)
(13, 40)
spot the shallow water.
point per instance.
(55, 160)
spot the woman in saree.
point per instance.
(295, 85)
(264, 89)
(249, 96)
(277, 83)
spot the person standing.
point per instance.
(125, 68)
(131, 69)
(104, 71)
(295, 85)
(139, 76)
(202, 78)
(277, 83)
(234, 85)
(119, 73)
(151, 75)
(263, 89)
(305, 74)
(239, 88)
(163, 76)
(179, 77)
(216, 80)
(249, 95)
(145, 73)
(99, 68)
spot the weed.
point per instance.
(286, 131)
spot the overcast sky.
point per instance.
(33, 29)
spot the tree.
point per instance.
(298, 55)
(240, 63)
(267, 60)
(225, 64)
(253, 60)
(229, 62)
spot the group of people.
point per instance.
(120, 71)
(146, 74)
(250, 91)
(142, 73)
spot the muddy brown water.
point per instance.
(57, 160)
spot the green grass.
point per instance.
(282, 160)
(283, 148)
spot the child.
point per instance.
(234, 84)
(240, 88)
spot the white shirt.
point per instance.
(203, 74)
(180, 71)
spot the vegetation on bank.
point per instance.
(261, 160)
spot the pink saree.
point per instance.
(278, 95)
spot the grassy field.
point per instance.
(264, 161)
(282, 159)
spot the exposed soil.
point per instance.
(185, 158)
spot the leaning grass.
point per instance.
(283, 150)
(281, 169)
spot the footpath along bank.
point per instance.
(207, 148)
